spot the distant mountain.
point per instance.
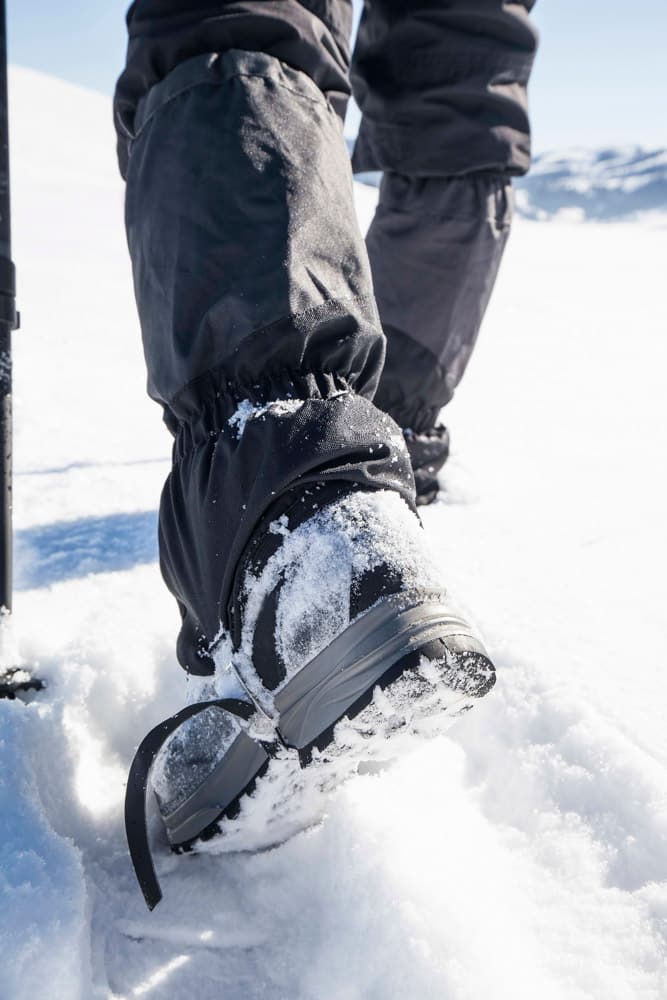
(596, 185)
(624, 183)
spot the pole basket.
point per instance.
(17, 682)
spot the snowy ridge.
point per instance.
(522, 855)
(600, 185)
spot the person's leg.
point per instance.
(288, 531)
(442, 89)
(251, 278)
(310, 35)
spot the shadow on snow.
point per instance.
(65, 550)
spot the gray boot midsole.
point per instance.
(242, 762)
(321, 693)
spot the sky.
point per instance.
(599, 79)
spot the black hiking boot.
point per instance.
(347, 647)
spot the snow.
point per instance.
(246, 411)
(523, 854)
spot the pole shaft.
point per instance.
(8, 322)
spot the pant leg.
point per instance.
(309, 35)
(260, 330)
(442, 89)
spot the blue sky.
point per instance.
(599, 78)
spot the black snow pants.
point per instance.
(262, 327)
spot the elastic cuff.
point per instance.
(218, 406)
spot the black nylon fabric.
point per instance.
(312, 36)
(435, 246)
(253, 285)
(442, 86)
(239, 213)
(443, 92)
(222, 483)
(252, 281)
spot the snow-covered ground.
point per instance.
(522, 856)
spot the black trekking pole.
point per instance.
(12, 679)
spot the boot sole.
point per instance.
(345, 672)
(363, 698)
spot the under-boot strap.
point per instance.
(136, 794)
